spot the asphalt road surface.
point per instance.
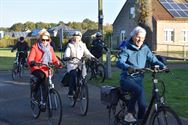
(15, 106)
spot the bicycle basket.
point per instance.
(109, 95)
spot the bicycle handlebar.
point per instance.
(49, 65)
(154, 70)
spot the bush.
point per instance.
(7, 42)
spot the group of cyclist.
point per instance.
(134, 54)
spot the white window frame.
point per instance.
(132, 13)
(122, 35)
(185, 35)
(169, 35)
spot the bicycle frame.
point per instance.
(81, 92)
(155, 99)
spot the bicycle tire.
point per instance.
(55, 108)
(100, 73)
(89, 72)
(14, 71)
(84, 99)
(34, 104)
(20, 71)
(164, 116)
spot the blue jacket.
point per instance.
(132, 56)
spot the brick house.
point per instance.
(167, 28)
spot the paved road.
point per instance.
(15, 107)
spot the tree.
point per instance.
(144, 14)
(17, 27)
(29, 25)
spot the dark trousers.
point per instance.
(72, 81)
(41, 80)
(135, 87)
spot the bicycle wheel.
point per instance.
(20, 69)
(84, 99)
(164, 116)
(35, 104)
(100, 73)
(14, 71)
(89, 72)
(54, 108)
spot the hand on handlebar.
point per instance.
(33, 63)
(131, 70)
(94, 59)
(166, 69)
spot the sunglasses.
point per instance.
(47, 40)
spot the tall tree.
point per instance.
(144, 14)
(17, 27)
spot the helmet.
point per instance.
(77, 33)
(21, 38)
(98, 34)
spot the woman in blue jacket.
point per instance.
(134, 55)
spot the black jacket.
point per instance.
(97, 47)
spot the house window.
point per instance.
(122, 35)
(185, 35)
(169, 35)
(132, 13)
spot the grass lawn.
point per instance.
(176, 88)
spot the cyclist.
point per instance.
(21, 45)
(98, 45)
(41, 52)
(134, 55)
(75, 48)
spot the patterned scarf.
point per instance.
(47, 56)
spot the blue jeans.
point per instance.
(135, 87)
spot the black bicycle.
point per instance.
(95, 70)
(54, 104)
(158, 113)
(18, 65)
(81, 94)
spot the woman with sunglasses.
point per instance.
(42, 52)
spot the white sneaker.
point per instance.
(129, 118)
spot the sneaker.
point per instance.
(129, 118)
(43, 107)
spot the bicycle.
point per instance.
(95, 70)
(54, 104)
(18, 65)
(158, 113)
(81, 93)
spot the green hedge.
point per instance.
(10, 41)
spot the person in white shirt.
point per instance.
(76, 48)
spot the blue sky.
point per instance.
(14, 11)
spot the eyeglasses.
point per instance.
(47, 40)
